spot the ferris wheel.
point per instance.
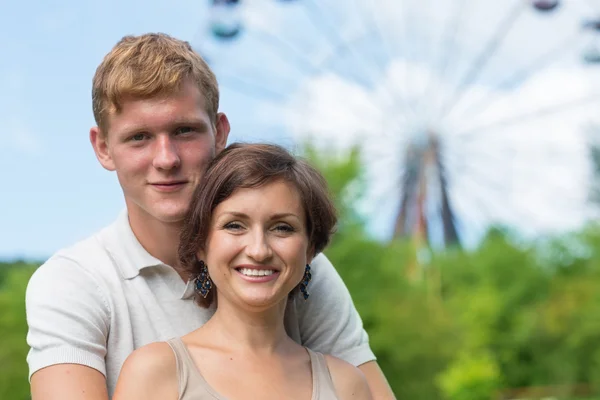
(468, 113)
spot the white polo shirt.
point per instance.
(97, 301)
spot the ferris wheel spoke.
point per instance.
(542, 178)
(483, 178)
(522, 75)
(490, 196)
(374, 25)
(450, 32)
(252, 89)
(482, 58)
(285, 52)
(492, 154)
(593, 5)
(469, 133)
(408, 44)
(290, 53)
(316, 13)
(472, 214)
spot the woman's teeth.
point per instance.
(256, 272)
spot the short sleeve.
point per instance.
(68, 317)
(328, 320)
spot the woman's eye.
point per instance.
(284, 228)
(233, 226)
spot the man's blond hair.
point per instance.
(146, 66)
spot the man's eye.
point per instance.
(138, 137)
(184, 129)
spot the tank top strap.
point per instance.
(323, 388)
(181, 356)
(192, 384)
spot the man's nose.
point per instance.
(166, 156)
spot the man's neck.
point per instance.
(160, 239)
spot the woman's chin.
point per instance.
(261, 301)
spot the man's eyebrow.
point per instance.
(190, 121)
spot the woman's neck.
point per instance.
(260, 333)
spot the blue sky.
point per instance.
(54, 192)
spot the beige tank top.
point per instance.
(192, 385)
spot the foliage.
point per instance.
(504, 316)
(13, 329)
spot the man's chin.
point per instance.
(171, 217)
(171, 212)
(167, 215)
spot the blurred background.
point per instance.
(460, 138)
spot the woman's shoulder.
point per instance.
(154, 356)
(149, 372)
(348, 380)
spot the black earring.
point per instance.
(305, 280)
(203, 283)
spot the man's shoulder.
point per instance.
(89, 254)
(321, 262)
(78, 275)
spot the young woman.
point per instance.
(253, 227)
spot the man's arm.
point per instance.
(68, 320)
(68, 382)
(330, 324)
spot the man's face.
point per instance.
(160, 148)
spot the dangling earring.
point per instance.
(305, 279)
(203, 283)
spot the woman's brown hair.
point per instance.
(248, 166)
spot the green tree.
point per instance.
(13, 330)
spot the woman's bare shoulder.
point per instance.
(349, 381)
(150, 372)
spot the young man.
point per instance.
(89, 306)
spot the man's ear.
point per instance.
(99, 142)
(222, 132)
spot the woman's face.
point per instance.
(257, 246)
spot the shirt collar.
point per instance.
(127, 252)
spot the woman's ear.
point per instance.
(310, 254)
(200, 255)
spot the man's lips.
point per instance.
(168, 186)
